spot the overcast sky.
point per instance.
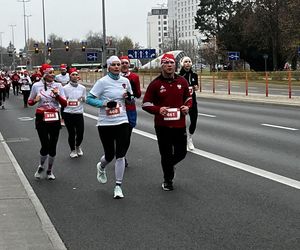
(73, 19)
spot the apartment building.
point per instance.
(157, 28)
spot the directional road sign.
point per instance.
(233, 55)
(141, 53)
(91, 56)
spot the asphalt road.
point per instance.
(217, 203)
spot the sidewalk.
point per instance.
(24, 224)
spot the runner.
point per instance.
(108, 94)
(25, 85)
(136, 89)
(48, 95)
(168, 98)
(15, 82)
(3, 84)
(192, 78)
(73, 113)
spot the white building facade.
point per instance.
(157, 28)
(182, 21)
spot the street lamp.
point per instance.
(24, 14)
(1, 55)
(44, 29)
(104, 37)
(13, 44)
(27, 17)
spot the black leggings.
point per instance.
(48, 133)
(26, 94)
(75, 127)
(193, 113)
(172, 148)
(2, 96)
(15, 88)
(115, 140)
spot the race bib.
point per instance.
(73, 103)
(191, 90)
(172, 115)
(2, 86)
(113, 112)
(25, 87)
(51, 116)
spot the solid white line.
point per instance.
(280, 127)
(201, 114)
(235, 164)
(47, 225)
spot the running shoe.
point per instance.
(79, 151)
(50, 176)
(118, 194)
(101, 174)
(190, 144)
(73, 154)
(39, 174)
(167, 186)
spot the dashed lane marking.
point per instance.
(279, 127)
(206, 115)
(235, 164)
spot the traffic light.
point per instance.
(49, 50)
(36, 50)
(83, 48)
(10, 53)
(67, 45)
(20, 54)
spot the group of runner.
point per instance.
(169, 97)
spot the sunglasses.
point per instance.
(115, 64)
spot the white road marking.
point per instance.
(235, 164)
(201, 114)
(280, 127)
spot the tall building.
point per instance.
(182, 22)
(157, 28)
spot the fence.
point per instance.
(267, 83)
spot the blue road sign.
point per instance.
(233, 55)
(141, 53)
(91, 56)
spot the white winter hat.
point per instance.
(185, 58)
(112, 59)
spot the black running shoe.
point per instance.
(167, 186)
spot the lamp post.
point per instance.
(13, 44)
(265, 56)
(24, 15)
(44, 29)
(27, 19)
(1, 55)
(104, 37)
(199, 41)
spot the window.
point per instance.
(166, 34)
(165, 28)
(165, 22)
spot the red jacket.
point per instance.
(136, 88)
(163, 92)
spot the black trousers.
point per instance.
(48, 134)
(75, 126)
(193, 114)
(172, 148)
(15, 88)
(26, 94)
(115, 140)
(2, 95)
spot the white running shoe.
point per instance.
(118, 194)
(73, 154)
(79, 151)
(50, 176)
(39, 174)
(101, 174)
(190, 144)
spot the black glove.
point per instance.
(111, 104)
(129, 96)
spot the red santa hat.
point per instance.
(72, 70)
(167, 58)
(126, 58)
(45, 69)
(63, 66)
